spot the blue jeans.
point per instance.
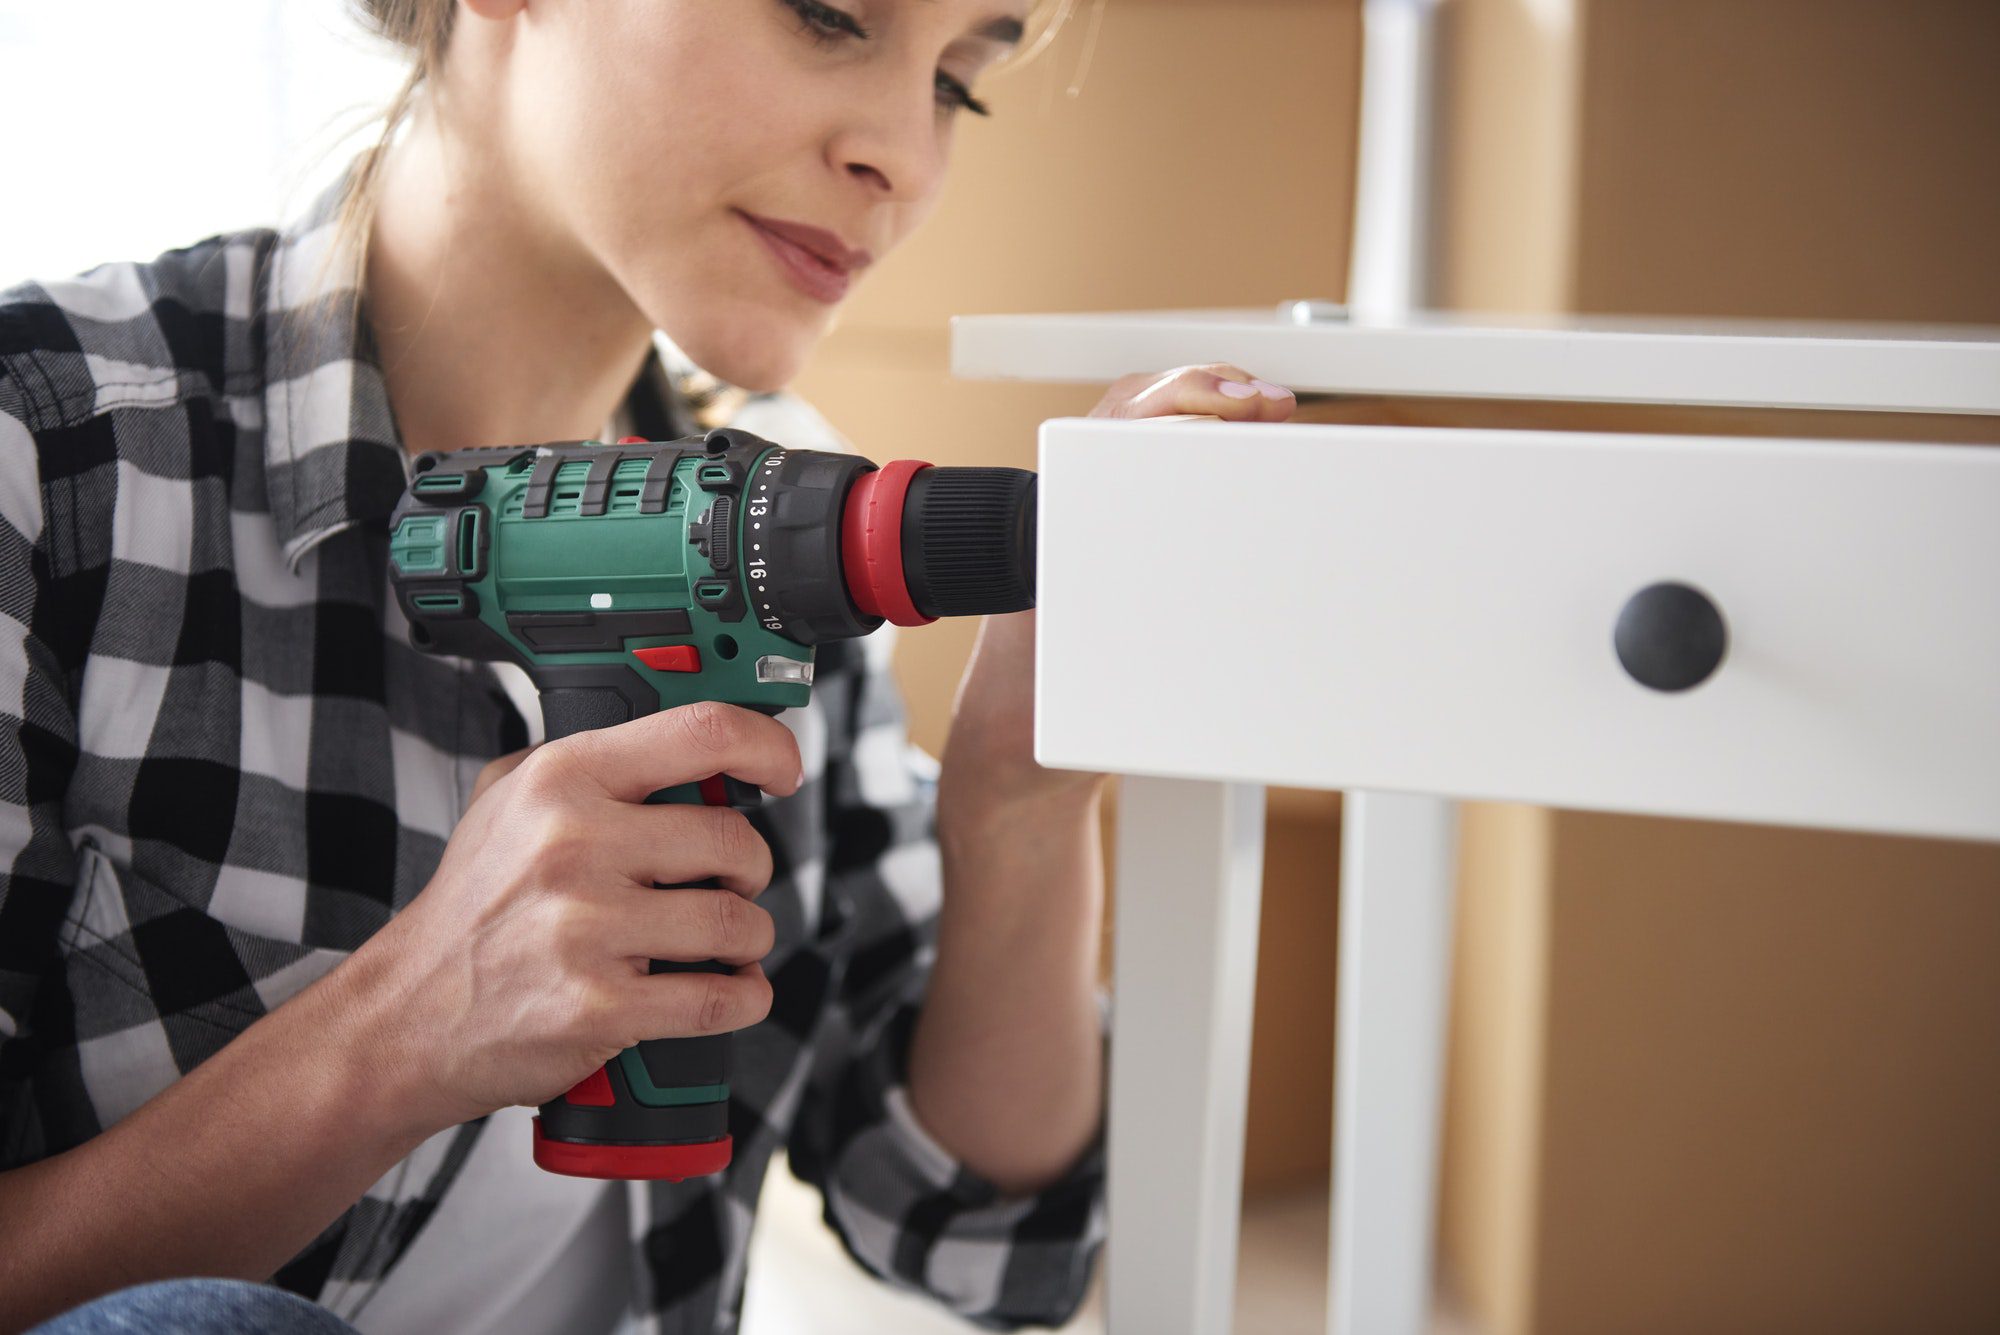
(197, 1307)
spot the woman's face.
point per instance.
(649, 132)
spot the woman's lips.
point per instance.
(809, 273)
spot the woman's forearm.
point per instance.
(229, 1171)
(1006, 1068)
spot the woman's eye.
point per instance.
(823, 23)
(828, 26)
(957, 96)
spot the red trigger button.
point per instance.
(593, 1091)
(633, 440)
(670, 658)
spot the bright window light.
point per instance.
(140, 126)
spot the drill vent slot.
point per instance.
(468, 542)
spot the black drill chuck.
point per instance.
(843, 546)
(969, 541)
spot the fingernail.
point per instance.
(1271, 391)
(799, 782)
(1236, 389)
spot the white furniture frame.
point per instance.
(1417, 615)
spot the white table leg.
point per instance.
(1190, 880)
(1398, 858)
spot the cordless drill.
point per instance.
(634, 577)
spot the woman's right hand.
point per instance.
(522, 966)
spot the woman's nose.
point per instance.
(895, 144)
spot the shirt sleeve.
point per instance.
(903, 1206)
(38, 753)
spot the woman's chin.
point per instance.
(763, 362)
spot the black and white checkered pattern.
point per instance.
(222, 766)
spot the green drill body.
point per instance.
(567, 586)
(621, 579)
(631, 578)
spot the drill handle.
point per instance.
(573, 709)
(660, 1109)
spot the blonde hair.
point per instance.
(423, 28)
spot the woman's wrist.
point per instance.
(372, 1034)
(970, 812)
(989, 777)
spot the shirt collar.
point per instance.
(333, 459)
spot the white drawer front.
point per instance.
(1433, 610)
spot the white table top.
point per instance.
(1878, 367)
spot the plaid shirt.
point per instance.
(223, 765)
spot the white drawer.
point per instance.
(1433, 611)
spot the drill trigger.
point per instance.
(721, 790)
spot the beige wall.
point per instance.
(1808, 158)
(1792, 158)
(1771, 1100)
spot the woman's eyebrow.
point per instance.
(1004, 29)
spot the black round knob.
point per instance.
(1670, 636)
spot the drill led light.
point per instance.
(773, 670)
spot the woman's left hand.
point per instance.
(990, 753)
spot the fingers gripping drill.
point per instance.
(630, 578)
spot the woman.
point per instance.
(290, 929)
